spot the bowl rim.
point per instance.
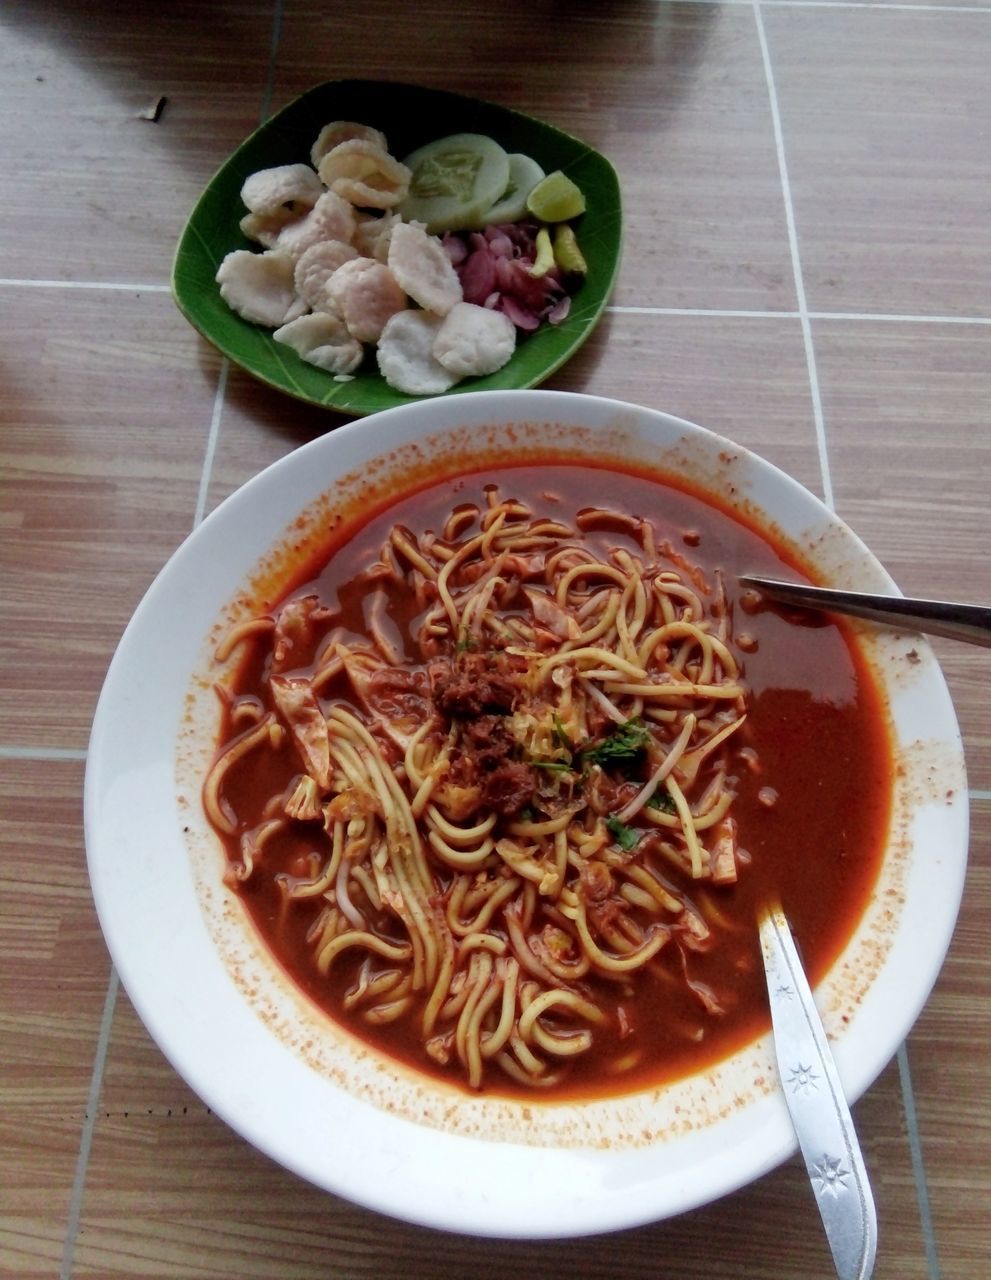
(612, 1188)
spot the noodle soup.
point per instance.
(505, 773)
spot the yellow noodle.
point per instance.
(319, 885)
(473, 1033)
(561, 1046)
(591, 653)
(641, 877)
(532, 1079)
(458, 521)
(555, 999)
(687, 827)
(483, 942)
(702, 822)
(508, 970)
(368, 885)
(237, 750)
(385, 646)
(461, 859)
(661, 772)
(532, 963)
(460, 835)
(414, 774)
(411, 872)
(501, 892)
(242, 631)
(442, 985)
(496, 914)
(609, 707)
(480, 968)
(360, 938)
(623, 628)
(713, 647)
(678, 689)
(381, 1014)
(402, 543)
(690, 765)
(616, 964)
(534, 830)
(252, 843)
(637, 897)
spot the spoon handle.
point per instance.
(969, 622)
(815, 1099)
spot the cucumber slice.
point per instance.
(454, 180)
(524, 174)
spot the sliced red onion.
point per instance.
(560, 310)
(455, 248)
(478, 276)
(522, 318)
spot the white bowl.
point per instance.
(310, 1095)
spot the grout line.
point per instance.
(123, 286)
(803, 311)
(42, 753)
(89, 1124)
(918, 1169)
(100, 1057)
(888, 317)
(908, 1098)
(714, 313)
(864, 317)
(979, 793)
(211, 443)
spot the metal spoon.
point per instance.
(969, 622)
(817, 1105)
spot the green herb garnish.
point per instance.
(555, 766)
(621, 746)
(624, 836)
(662, 799)
(562, 734)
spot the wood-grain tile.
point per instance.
(172, 1192)
(54, 969)
(91, 191)
(105, 408)
(743, 379)
(885, 114)
(674, 94)
(951, 1071)
(910, 457)
(104, 414)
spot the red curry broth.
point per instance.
(817, 727)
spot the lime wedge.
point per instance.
(556, 198)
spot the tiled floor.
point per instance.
(807, 270)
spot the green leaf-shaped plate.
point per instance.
(409, 116)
